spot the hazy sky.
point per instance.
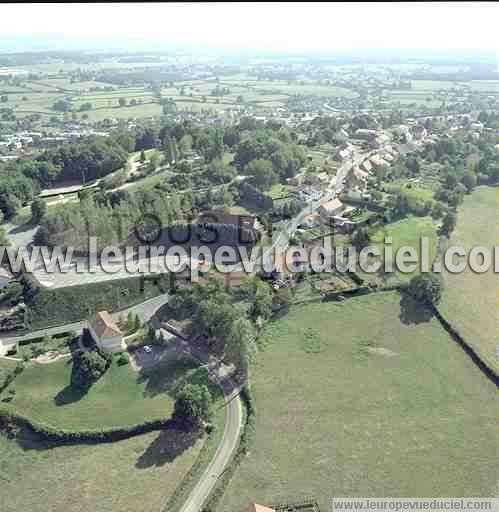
(283, 26)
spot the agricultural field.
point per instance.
(120, 398)
(374, 397)
(470, 300)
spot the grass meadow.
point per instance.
(469, 299)
(141, 473)
(407, 232)
(369, 397)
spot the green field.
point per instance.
(120, 398)
(137, 474)
(143, 472)
(365, 398)
(407, 232)
(469, 299)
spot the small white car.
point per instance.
(147, 349)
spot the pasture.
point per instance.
(140, 473)
(407, 232)
(469, 299)
(369, 397)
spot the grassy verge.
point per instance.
(178, 498)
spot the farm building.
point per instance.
(106, 333)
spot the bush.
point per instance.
(122, 360)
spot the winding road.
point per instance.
(230, 437)
(218, 373)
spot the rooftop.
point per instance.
(104, 325)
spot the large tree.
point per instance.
(38, 210)
(88, 368)
(262, 173)
(426, 288)
(448, 223)
(193, 406)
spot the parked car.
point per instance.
(147, 349)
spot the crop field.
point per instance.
(469, 299)
(491, 86)
(144, 110)
(120, 398)
(369, 397)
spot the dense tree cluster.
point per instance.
(221, 322)
(268, 156)
(87, 161)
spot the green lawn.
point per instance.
(357, 399)
(119, 398)
(407, 232)
(416, 193)
(469, 299)
(279, 191)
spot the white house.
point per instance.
(106, 333)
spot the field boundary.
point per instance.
(11, 421)
(481, 364)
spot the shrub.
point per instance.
(122, 360)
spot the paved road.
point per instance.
(227, 446)
(233, 424)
